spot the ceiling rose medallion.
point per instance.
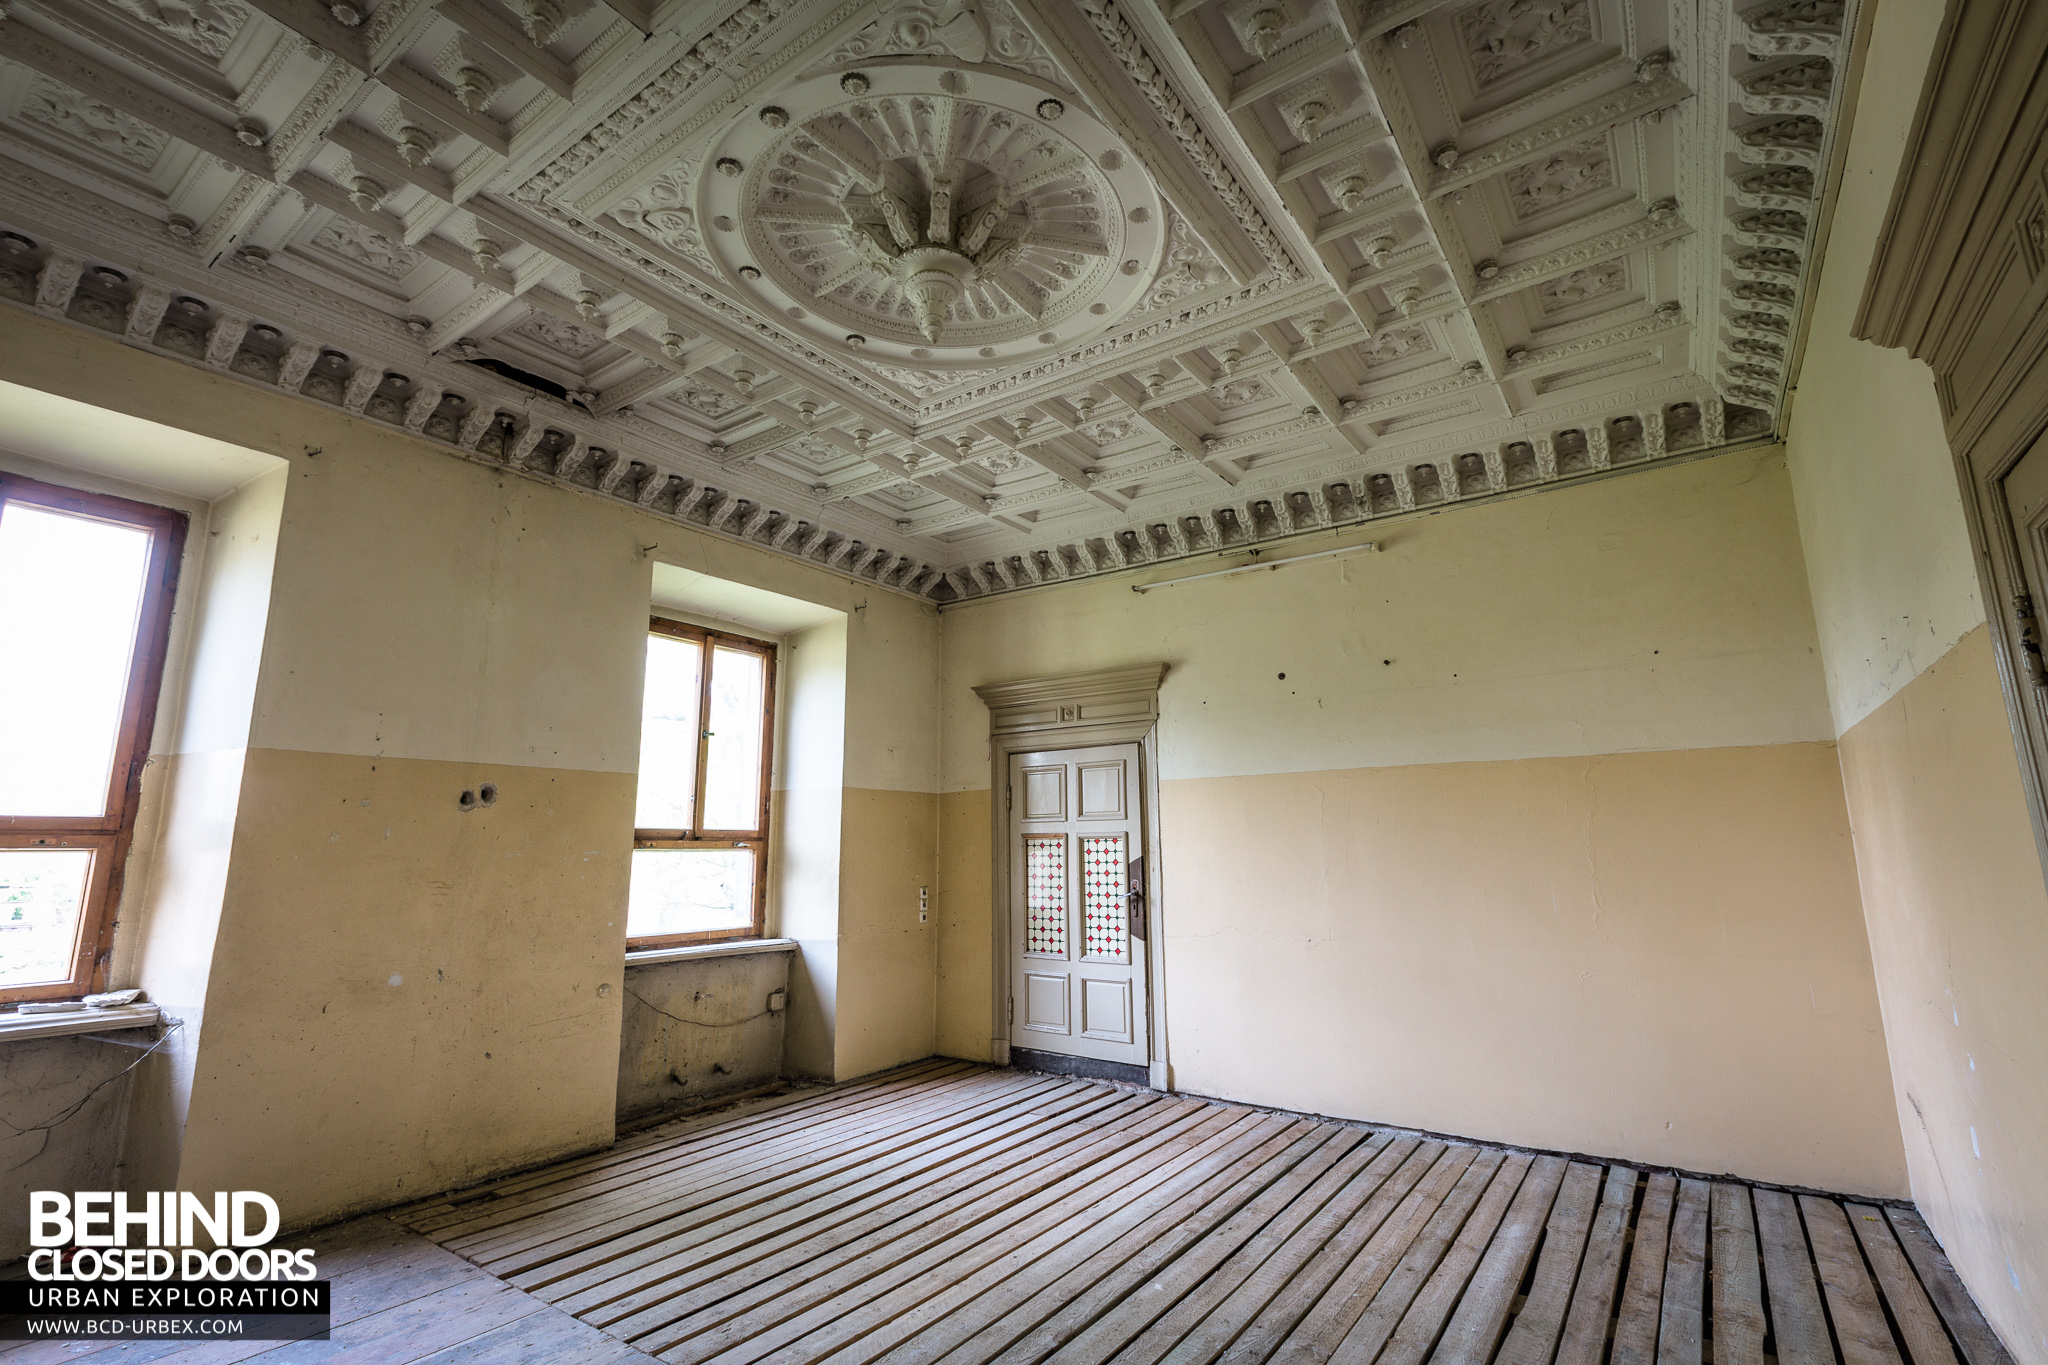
(934, 279)
(941, 225)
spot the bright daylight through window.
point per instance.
(81, 657)
(706, 733)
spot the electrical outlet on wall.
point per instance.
(924, 904)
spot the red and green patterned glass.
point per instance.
(1045, 895)
(1105, 903)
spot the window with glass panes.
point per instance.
(707, 729)
(84, 616)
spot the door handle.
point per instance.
(1134, 897)
(2028, 634)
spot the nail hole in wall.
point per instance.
(467, 800)
(489, 792)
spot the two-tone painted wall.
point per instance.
(1952, 885)
(854, 797)
(76, 1105)
(1527, 827)
(400, 995)
(1671, 817)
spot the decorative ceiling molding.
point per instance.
(953, 295)
(1122, 42)
(1500, 37)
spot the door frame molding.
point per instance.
(1981, 466)
(1073, 711)
(1960, 282)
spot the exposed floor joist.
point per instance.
(958, 1213)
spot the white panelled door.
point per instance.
(1077, 930)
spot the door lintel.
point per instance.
(1103, 696)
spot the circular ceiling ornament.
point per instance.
(963, 228)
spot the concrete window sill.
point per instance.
(736, 948)
(17, 1027)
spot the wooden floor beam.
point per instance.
(954, 1214)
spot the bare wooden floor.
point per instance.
(398, 1300)
(961, 1214)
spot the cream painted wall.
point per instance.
(407, 997)
(1662, 610)
(207, 705)
(1958, 922)
(888, 958)
(1545, 803)
(810, 782)
(178, 869)
(432, 609)
(1952, 884)
(863, 992)
(177, 862)
(404, 996)
(1652, 955)
(892, 641)
(131, 1128)
(1880, 514)
(960, 911)
(888, 988)
(422, 995)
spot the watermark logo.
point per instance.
(109, 1239)
(162, 1265)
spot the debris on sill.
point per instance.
(103, 1001)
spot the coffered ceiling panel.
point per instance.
(958, 296)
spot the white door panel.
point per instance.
(1102, 790)
(1045, 793)
(1045, 1003)
(1077, 933)
(1106, 1009)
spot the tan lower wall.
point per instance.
(165, 939)
(1958, 922)
(699, 1028)
(887, 958)
(418, 996)
(960, 909)
(1657, 956)
(804, 901)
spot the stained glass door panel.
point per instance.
(1105, 902)
(1045, 896)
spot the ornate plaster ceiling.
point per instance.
(955, 295)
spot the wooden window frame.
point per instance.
(696, 837)
(110, 834)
